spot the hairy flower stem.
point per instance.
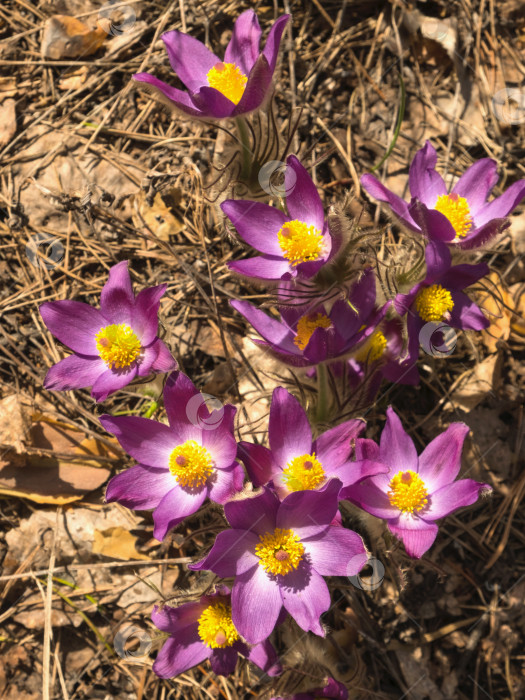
(323, 395)
(246, 151)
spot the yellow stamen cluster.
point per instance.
(303, 473)
(457, 211)
(300, 242)
(228, 79)
(279, 551)
(307, 325)
(432, 302)
(191, 464)
(216, 628)
(373, 349)
(118, 345)
(407, 492)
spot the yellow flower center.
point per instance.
(432, 302)
(279, 551)
(307, 325)
(118, 345)
(457, 211)
(303, 473)
(191, 464)
(228, 79)
(300, 242)
(216, 628)
(373, 349)
(407, 492)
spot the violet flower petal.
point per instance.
(481, 236)
(261, 267)
(273, 42)
(223, 661)
(112, 380)
(74, 372)
(169, 95)
(466, 314)
(225, 483)
(212, 103)
(378, 191)
(265, 657)
(184, 406)
(233, 553)
(256, 513)
(440, 461)
(258, 461)
(438, 259)
(145, 313)
(243, 47)
(370, 498)
(172, 620)
(416, 534)
(256, 223)
(396, 447)
(256, 604)
(117, 299)
(461, 276)
(139, 487)
(181, 653)
(189, 58)
(271, 330)
(257, 89)
(289, 431)
(218, 438)
(333, 447)
(338, 552)
(433, 224)
(502, 205)
(164, 361)
(450, 497)
(74, 324)
(476, 183)
(176, 505)
(425, 183)
(302, 200)
(306, 597)
(309, 513)
(146, 440)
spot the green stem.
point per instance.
(246, 151)
(322, 393)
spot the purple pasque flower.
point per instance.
(111, 345)
(440, 297)
(295, 245)
(219, 89)
(417, 490)
(332, 689)
(462, 217)
(204, 630)
(382, 357)
(279, 553)
(304, 338)
(180, 464)
(296, 462)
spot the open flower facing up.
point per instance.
(332, 689)
(112, 345)
(440, 297)
(294, 461)
(279, 553)
(462, 217)
(205, 630)
(417, 490)
(180, 464)
(297, 244)
(304, 339)
(218, 89)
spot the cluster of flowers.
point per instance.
(285, 533)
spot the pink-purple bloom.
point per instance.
(417, 490)
(296, 462)
(304, 338)
(440, 296)
(112, 345)
(218, 89)
(278, 553)
(204, 630)
(180, 464)
(297, 244)
(332, 689)
(462, 217)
